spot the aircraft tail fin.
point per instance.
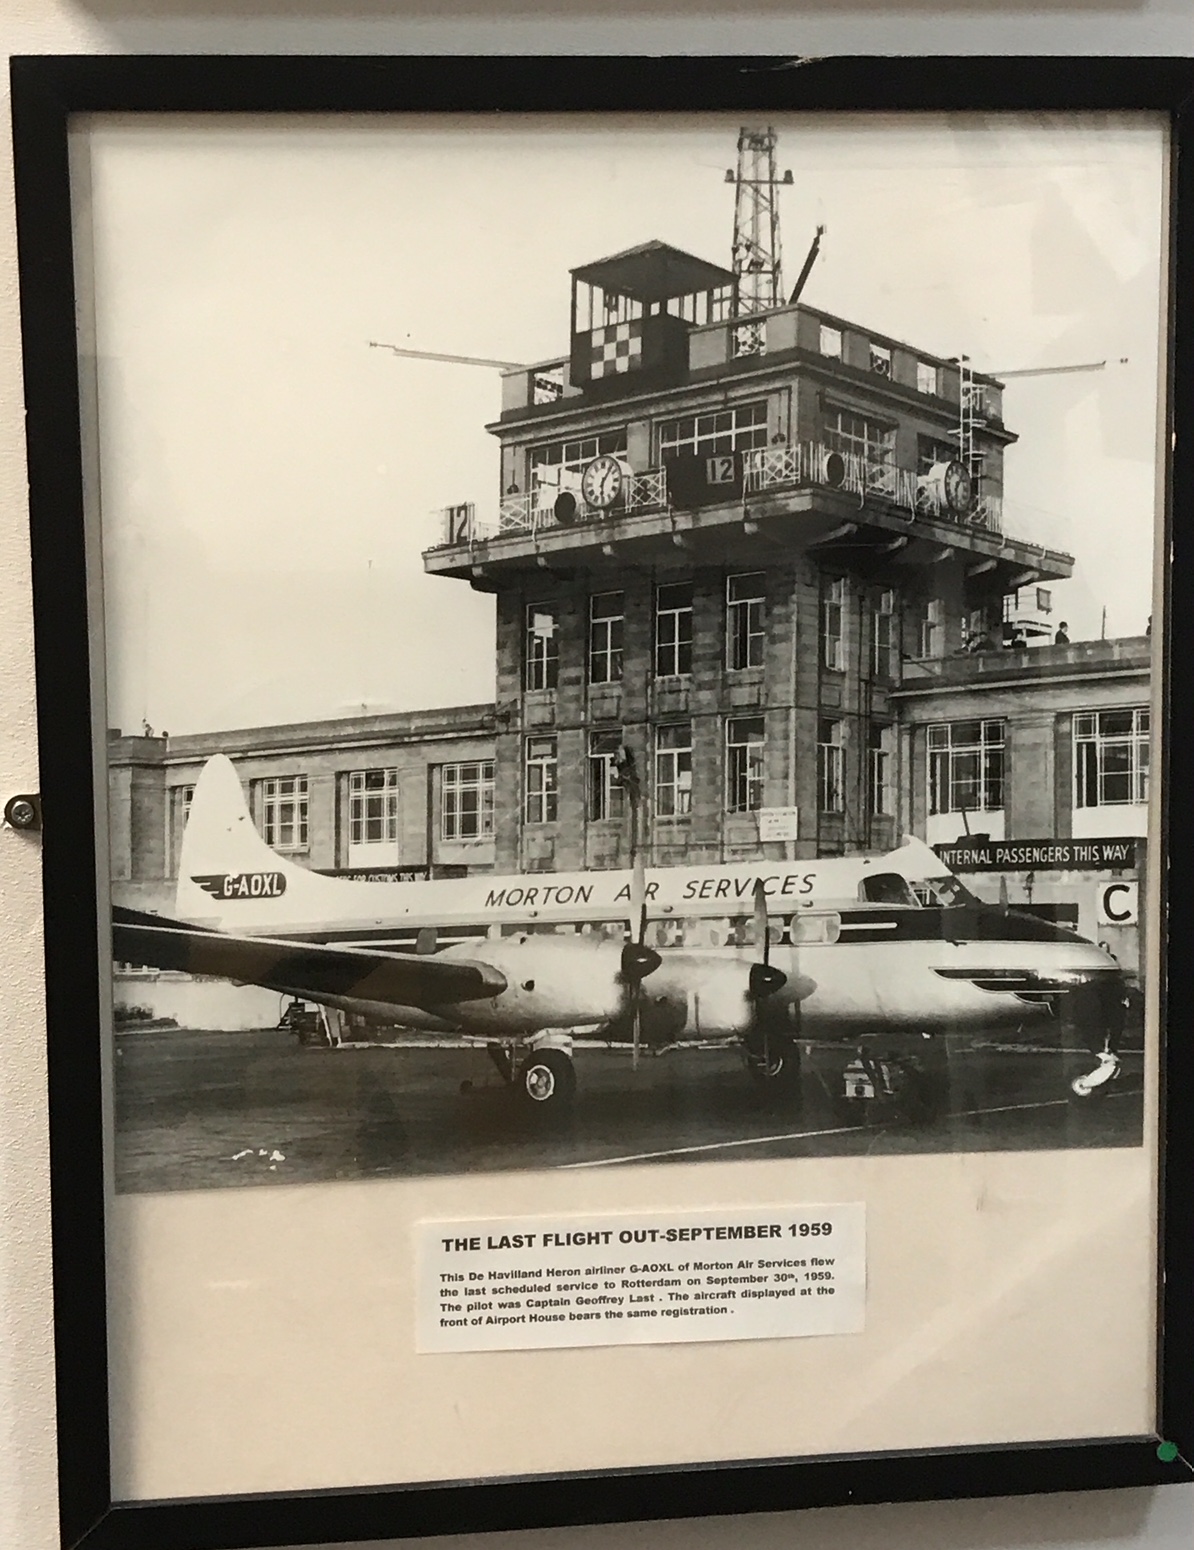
(227, 873)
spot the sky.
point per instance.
(267, 480)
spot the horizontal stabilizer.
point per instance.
(311, 969)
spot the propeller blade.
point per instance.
(765, 979)
(638, 960)
(638, 899)
(762, 931)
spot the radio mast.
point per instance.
(757, 255)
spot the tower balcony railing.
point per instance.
(782, 466)
(540, 508)
(801, 464)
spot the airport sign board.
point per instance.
(381, 874)
(1049, 855)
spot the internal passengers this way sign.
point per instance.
(1038, 855)
(524, 1283)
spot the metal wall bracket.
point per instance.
(23, 811)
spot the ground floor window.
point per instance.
(1111, 757)
(879, 791)
(285, 812)
(466, 800)
(372, 807)
(966, 767)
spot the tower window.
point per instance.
(932, 629)
(885, 641)
(879, 769)
(870, 443)
(541, 780)
(736, 429)
(542, 650)
(673, 630)
(831, 766)
(605, 792)
(833, 609)
(745, 748)
(673, 770)
(561, 463)
(606, 621)
(745, 620)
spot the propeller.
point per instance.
(765, 978)
(638, 960)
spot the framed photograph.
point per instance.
(606, 638)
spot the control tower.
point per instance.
(726, 562)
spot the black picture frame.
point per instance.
(46, 93)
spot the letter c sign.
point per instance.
(1118, 904)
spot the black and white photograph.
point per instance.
(627, 640)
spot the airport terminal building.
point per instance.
(1045, 744)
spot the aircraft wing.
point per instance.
(298, 968)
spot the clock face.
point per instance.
(959, 490)
(601, 482)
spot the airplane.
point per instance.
(879, 956)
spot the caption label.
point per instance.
(531, 1282)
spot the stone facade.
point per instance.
(150, 779)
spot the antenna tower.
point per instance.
(757, 256)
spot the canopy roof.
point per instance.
(653, 271)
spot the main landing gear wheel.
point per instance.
(547, 1081)
(774, 1066)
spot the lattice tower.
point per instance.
(757, 254)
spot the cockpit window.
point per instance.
(886, 888)
(944, 891)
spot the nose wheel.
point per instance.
(546, 1081)
(1094, 1083)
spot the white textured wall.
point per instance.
(1161, 1520)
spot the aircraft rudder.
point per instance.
(224, 859)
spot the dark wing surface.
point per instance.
(313, 969)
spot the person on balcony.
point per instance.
(1062, 637)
